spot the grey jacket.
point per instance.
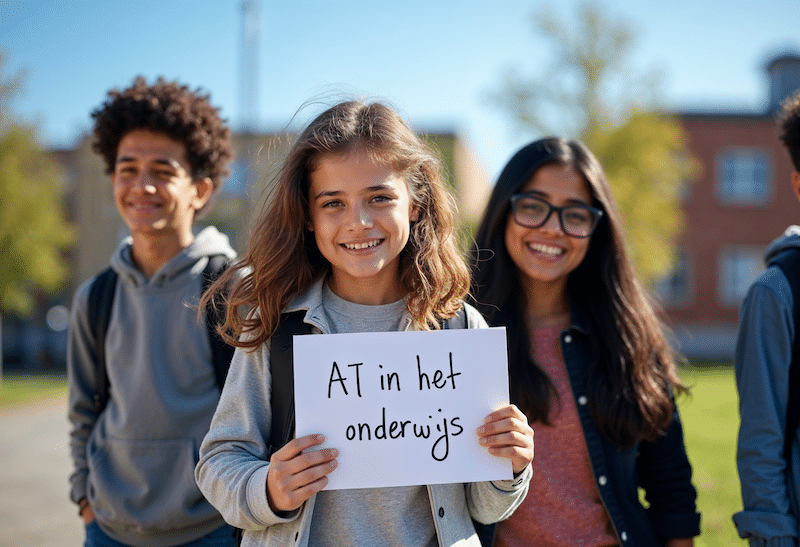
(234, 459)
(763, 356)
(135, 461)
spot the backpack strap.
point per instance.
(101, 300)
(281, 363)
(789, 263)
(221, 353)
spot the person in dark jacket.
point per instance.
(589, 362)
(770, 477)
(166, 150)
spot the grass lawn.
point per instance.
(711, 421)
(20, 389)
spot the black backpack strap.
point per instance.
(221, 353)
(789, 263)
(486, 532)
(101, 300)
(281, 363)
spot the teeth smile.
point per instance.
(365, 245)
(546, 249)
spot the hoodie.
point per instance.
(769, 483)
(135, 461)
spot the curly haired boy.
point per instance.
(166, 150)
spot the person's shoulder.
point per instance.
(81, 294)
(770, 292)
(474, 319)
(773, 279)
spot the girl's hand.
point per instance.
(294, 476)
(507, 434)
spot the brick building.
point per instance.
(740, 202)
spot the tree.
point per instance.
(591, 92)
(33, 231)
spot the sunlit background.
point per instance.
(474, 77)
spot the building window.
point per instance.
(738, 269)
(676, 288)
(744, 176)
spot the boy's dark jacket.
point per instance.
(770, 482)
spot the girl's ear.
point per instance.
(414, 214)
(309, 225)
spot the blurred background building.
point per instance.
(740, 202)
(38, 343)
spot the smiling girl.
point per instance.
(360, 237)
(589, 363)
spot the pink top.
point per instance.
(563, 507)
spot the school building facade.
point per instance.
(738, 204)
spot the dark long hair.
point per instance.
(630, 387)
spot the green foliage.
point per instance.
(647, 164)
(591, 91)
(33, 232)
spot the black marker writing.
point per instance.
(439, 379)
(341, 379)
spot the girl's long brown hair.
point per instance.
(283, 260)
(629, 389)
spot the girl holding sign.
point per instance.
(589, 363)
(359, 234)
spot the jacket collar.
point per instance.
(579, 319)
(311, 301)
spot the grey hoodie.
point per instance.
(762, 359)
(135, 461)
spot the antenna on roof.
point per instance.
(251, 35)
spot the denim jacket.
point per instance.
(661, 467)
(770, 484)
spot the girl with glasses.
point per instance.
(589, 363)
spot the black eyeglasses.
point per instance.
(576, 220)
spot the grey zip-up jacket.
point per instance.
(135, 461)
(763, 356)
(234, 459)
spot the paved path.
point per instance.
(35, 510)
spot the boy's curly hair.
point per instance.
(170, 108)
(789, 122)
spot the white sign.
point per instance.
(402, 407)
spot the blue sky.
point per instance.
(434, 60)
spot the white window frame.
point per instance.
(672, 293)
(744, 189)
(739, 265)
